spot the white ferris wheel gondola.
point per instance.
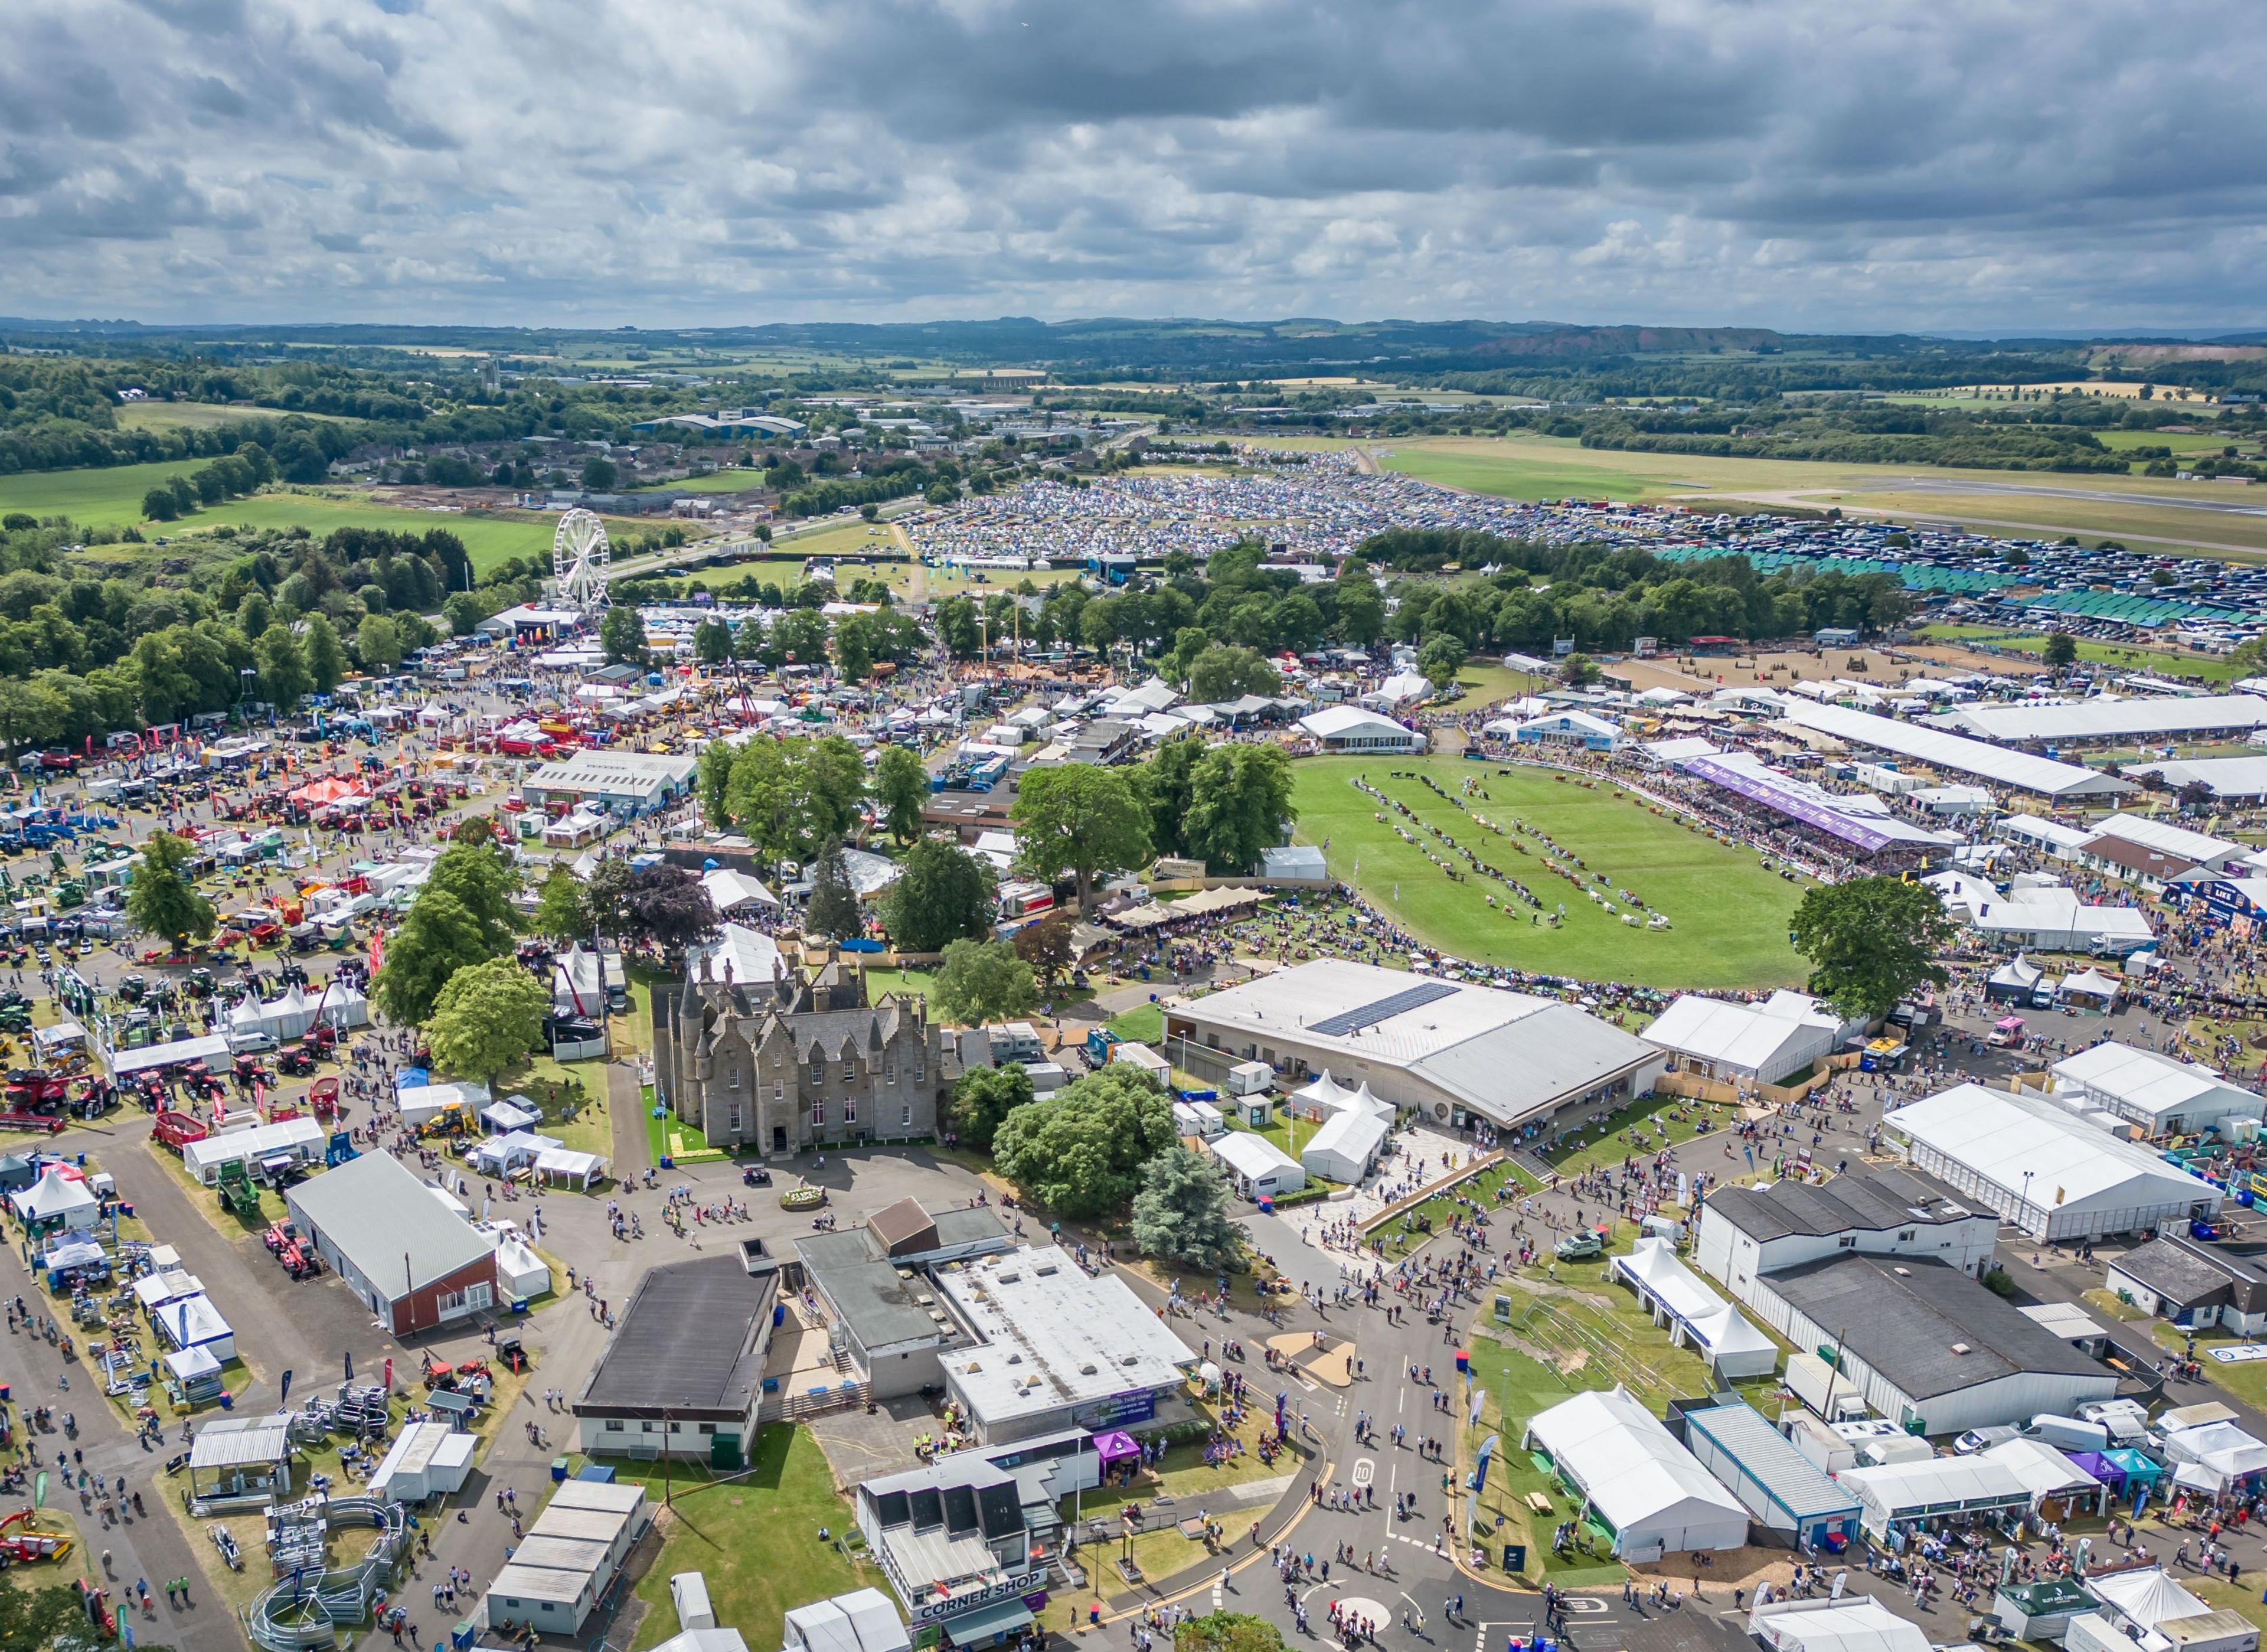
(579, 556)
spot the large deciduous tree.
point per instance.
(1239, 806)
(901, 790)
(1046, 946)
(1081, 820)
(668, 907)
(982, 1100)
(438, 938)
(559, 912)
(485, 1018)
(327, 660)
(1222, 673)
(1082, 1152)
(1872, 941)
(622, 635)
(943, 895)
(982, 981)
(160, 897)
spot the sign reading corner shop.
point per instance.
(941, 1612)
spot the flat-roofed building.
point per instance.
(1450, 1050)
(1059, 1347)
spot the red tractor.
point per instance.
(323, 1097)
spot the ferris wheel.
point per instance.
(579, 554)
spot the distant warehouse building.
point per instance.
(2105, 717)
(1450, 1050)
(625, 784)
(2044, 1168)
(2162, 1094)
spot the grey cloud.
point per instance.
(1802, 163)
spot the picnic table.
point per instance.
(1539, 1502)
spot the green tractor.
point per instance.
(71, 892)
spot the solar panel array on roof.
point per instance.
(1369, 1015)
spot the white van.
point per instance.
(2068, 1434)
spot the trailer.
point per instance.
(177, 1130)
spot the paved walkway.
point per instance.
(151, 1546)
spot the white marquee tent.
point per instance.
(1694, 1314)
(1650, 1490)
(2052, 1174)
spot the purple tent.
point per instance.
(2099, 1466)
(1115, 1447)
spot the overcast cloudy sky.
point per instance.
(1965, 166)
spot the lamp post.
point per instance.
(2027, 1192)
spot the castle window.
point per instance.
(889, 1070)
(732, 1080)
(849, 1069)
(906, 1114)
(920, 1068)
(817, 1068)
(849, 1110)
(779, 1091)
(819, 1112)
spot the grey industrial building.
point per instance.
(881, 1307)
(682, 1371)
(1926, 1345)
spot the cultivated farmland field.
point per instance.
(197, 415)
(2187, 518)
(1728, 915)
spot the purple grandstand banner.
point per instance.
(1788, 800)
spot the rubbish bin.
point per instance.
(559, 1469)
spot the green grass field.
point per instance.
(109, 496)
(1729, 916)
(2179, 441)
(775, 1512)
(719, 482)
(195, 415)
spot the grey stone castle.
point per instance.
(783, 1065)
